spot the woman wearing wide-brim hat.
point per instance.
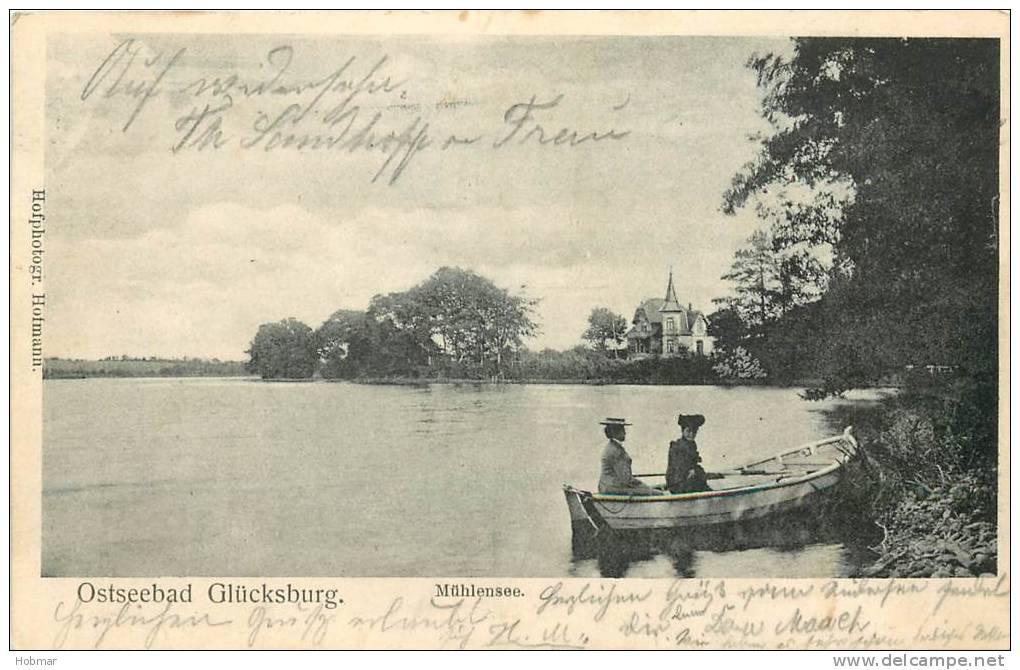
(684, 473)
(617, 476)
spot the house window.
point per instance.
(701, 348)
(671, 345)
(669, 325)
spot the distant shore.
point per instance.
(127, 367)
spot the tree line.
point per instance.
(455, 323)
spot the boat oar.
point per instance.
(720, 474)
(711, 475)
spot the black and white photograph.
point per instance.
(586, 308)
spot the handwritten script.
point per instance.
(90, 626)
(356, 106)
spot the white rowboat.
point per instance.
(783, 483)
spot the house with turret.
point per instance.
(665, 327)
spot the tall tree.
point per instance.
(769, 281)
(283, 350)
(755, 278)
(456, 316)
(605, 327)
(887, 149)
(473, 320)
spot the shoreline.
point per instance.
(410, 381)
(419, 381)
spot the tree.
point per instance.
(509, 321)
(726, 326)
(474, 322)
(887, 150)
(344, 344)
(769, 281)
(283, 350)
(755, 278)
(604, 327)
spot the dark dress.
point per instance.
(684, 473)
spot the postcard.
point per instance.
(510, 330)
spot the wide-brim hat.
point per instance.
(613, 421)
(691, 420)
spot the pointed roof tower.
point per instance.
(671, 304)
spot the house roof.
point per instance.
(692, 317)
(671, 304)
(651, 306)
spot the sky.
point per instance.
(176, 233)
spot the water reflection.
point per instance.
(803, 543)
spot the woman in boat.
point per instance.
(617, 476)
(684, 473)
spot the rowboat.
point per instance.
(786, 482)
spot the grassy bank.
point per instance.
(924, 493)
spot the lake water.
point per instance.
(217, 477)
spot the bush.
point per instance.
(738, 364)
(586, 365)
(928, 480)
